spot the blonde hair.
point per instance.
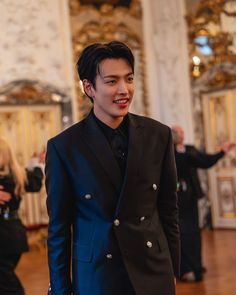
(9, 165)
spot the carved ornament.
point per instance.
(132, 7)
(205, 24)
(27, 91)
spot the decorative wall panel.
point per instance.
(219, 110)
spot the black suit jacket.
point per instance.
(137, 223)
(187, 164)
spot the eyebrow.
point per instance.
(116, 76)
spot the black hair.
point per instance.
(92, 55)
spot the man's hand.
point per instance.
(4, 196)
(227, 146)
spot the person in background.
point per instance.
(188, 159)
(111, 190)
(13, 239)
(35, 171)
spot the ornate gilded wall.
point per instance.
(214, 97)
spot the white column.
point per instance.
(69, 65)
(167, 62)
(150, 60)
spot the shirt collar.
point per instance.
(110, 132)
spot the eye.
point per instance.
(130, 79)
(111, 82)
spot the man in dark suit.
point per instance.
(188, 160)
(111, 185)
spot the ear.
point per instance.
(88, 87)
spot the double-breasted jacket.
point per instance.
(98, 219)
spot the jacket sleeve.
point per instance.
(203, 160)
(59, 228)
(167, 204)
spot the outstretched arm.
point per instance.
(203, 160)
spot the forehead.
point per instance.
(180, 130)
(113, 67)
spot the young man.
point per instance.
(111, 184)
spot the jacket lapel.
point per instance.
(134, 154)
(100, 147)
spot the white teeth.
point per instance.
(121, 101)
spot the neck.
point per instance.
(110, 121)
(180, 147)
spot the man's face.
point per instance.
(114, 91)
(179, 134)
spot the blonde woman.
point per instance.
(13, 241)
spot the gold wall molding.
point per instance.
(10, 119)
(208, 28)
(28, 91)
(215, 21)
(33, 92)
(107, 8)
(219, 112)
(226, 197)
(222, 79)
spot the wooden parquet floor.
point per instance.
(219, 252)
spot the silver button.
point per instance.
(116, 222)
(149, 244)
(88, 197)
(109, 256)
(142, 218)
(154, 186)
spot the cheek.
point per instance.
(131, 90)
(109, 92)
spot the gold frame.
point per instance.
(222, 213)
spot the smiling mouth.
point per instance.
(121, 101)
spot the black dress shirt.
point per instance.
(118, 140)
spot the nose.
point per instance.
(123, 87)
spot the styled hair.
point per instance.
(10, 166)
(91, 57)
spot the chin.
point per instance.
(123, 113)
(118, 113)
